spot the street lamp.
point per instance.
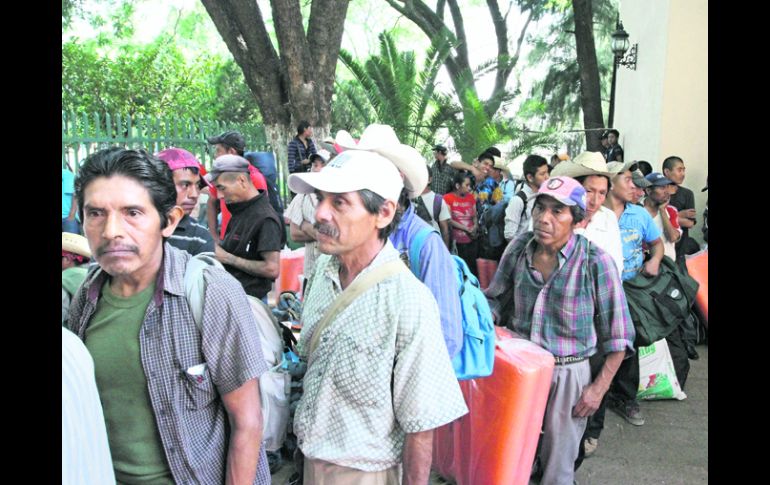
(619, 48)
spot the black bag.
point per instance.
(658, 305)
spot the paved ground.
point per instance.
(671, 448)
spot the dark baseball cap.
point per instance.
(230, 138)
(658, 179)
(440, 148)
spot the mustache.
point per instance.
(327, 230)
(102, 250)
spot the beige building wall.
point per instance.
(661, 109)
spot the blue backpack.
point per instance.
(477, 355)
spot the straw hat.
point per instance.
(75, 243)
(587, 163)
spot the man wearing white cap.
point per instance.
(434, 265)
(559, 291)
(379, 379)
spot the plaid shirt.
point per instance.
(189, 413)
(443, 177)
(580, 305)
(298, 152)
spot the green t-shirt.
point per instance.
(113, 340)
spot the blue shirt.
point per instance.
(636, 227)
(67, 191)
(437, 272)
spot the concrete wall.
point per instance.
(661, 109)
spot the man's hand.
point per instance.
(221, 255)
(651, 267)
(688, 213)
(589, 401)
(304, 161)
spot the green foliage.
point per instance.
(399, 94)
(351, 110)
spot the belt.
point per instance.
(568, 360)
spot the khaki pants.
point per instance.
(319, 472)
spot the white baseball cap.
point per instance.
(350, 171)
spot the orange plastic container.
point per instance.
(486, 269)
(698, 267)
(495, 442)
(291, 267)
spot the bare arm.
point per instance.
(444, 226)
(73, 208)
(268, 268)
(672, 233)
(212, 209)
(417, 457)
(466, 166)
(297, 234)
(593, 393)
(651, 267)
(244, 412)
(687, 218)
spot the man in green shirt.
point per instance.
(181, 401)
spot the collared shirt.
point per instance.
(85, 454)
(302, 208)
(191, 237)
(189, 412)
(515, 222)
(437, 271)
(298, 152)
(603, 231)
(636, 227)
(380, 370)
(443, 176)
(579, 309)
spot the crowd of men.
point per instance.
(174, 398)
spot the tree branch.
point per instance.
(462, 39)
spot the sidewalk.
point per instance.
(671, 447)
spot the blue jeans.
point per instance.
(70, 226)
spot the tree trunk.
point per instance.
(590, 91)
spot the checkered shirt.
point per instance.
(443, 177)
(381, 370)
(189, 413)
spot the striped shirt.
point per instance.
(85, 454)
(582, 305)
(188, 370)
(298, 152)
(191, 237)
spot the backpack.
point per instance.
(274, 385)
(659, 304)
(422, 211)
(520, 194)
(265, 163)
(477, 355)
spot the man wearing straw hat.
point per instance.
(75, 256)
(379, 379)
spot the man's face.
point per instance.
(637, 194)
(187, 190)
(123, 227)
(605, 142)
(540, 176)
(343, 223)
(496, 174)
(659, 194)
(440, 156)
(317, 165)
(623, 186)
(220, 149)
(308, 132)
(676, 174)
(552, 222)
(596, 193)
(232, 187)
(66, 263)
(612, 139)
(486, 166)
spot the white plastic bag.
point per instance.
(657, 378)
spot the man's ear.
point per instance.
(386, 214)
(174, 216)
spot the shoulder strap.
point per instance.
(437, 200)
(416, 248)
(352, 292)
(520, 194)
(195, 284)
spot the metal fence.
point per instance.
(85, 133)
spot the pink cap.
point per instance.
(177, 158)
(566, 190)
